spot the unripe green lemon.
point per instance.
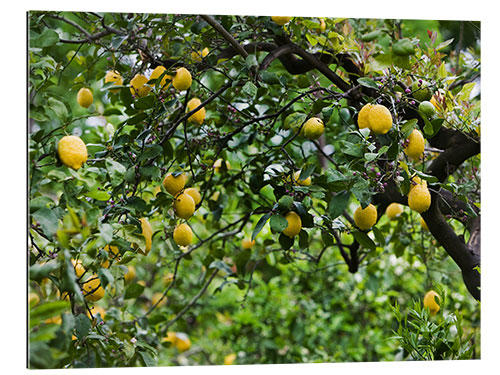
(363, 120)
(72, 151)
(430, 302)
(305, 182)
(281, 20)
(422, 92)
(92, 289)
(393, 210)
(174, 184)
(84, 97)
(199, 115)
(195, 194)
(138, 85)
(380, 119)
(157, 72)
(416, 145)
(294, 224)
(182, 79)
(419, 198)
(313, 128)
(183, 235)
(427, 108)
(365, 218)
(184, 206)
(113, 76)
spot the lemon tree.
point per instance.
(210, 189)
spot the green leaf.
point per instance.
(145, 102)
(403, 47)
(250, 89)
(364, 240)
(47, 310)
(260, 224)
(116, 171)
(407, 127)
(58, 108)
(98, 195)
(137, 118)
(306, 171)
(151, 152)
(303, 239)
(148, 359)
(48, 221)
(352, 149)
(251, 61)
(381, 62)
(133, 291)
(368, 37)
(222, 266)
(278, 223)
(368, 82)
(311, 39)
(361, 191)
(285, 241)
(82, 326)
(269, 78)
(379, 236)
(285, 203)
(46, 39)
(338, 204)
(106, 232)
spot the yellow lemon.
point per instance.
(423, 224)
(247, 244)
(394, 210)
(365, 218)
(78, 266)
(313, 128)
(33, 299)
(380, 119)
(305, 182)
(167, 279)
(130, 275)
(138, 85)
(419, 198)
(183, 342)
(171, 338)
(430, 302)
(157, 72)
(182, 79)
(147, 232)
(416, 181)
(281, 20)
(194, 193)
(199, 115)
(113, 254)
(363, 121)
(184, 206)
(174, 184)
(294, 224)
(218, 165)
(72, 151)
(156, 299)
(92, 289)
(84, 97)
(183, 235)
(229, 359)
(322, 24)
(199, 55)
(416, 145)
(54, 320)
(96, 310)
(113, 76)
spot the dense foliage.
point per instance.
(330, 293)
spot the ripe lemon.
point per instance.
(138, 85)
(156, 297)
(199, 55)
(218, 164)
(183, 342)
(247, 244)
(182, 79)
(199, 115)
(313, 128)
(416, 145)
(322, 24)
(195, 194)
(84, 97)
(393, 210)
(430, 302)
(174, 184)
(229, 359)
(416, 181)
(157, 72)
(113, 254)
(113, 76)
(281, 20)
(92, 289)
(365, 218)
(171, 338)
(294, 224)
(78, 266)
(130, 275)
(147, 232)
(363, 121)
(419, 198)
(305, 182)
(72, 151)
(97, 310)
(424, 224)
(380, 119)
(183, 235)
(184, 206)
